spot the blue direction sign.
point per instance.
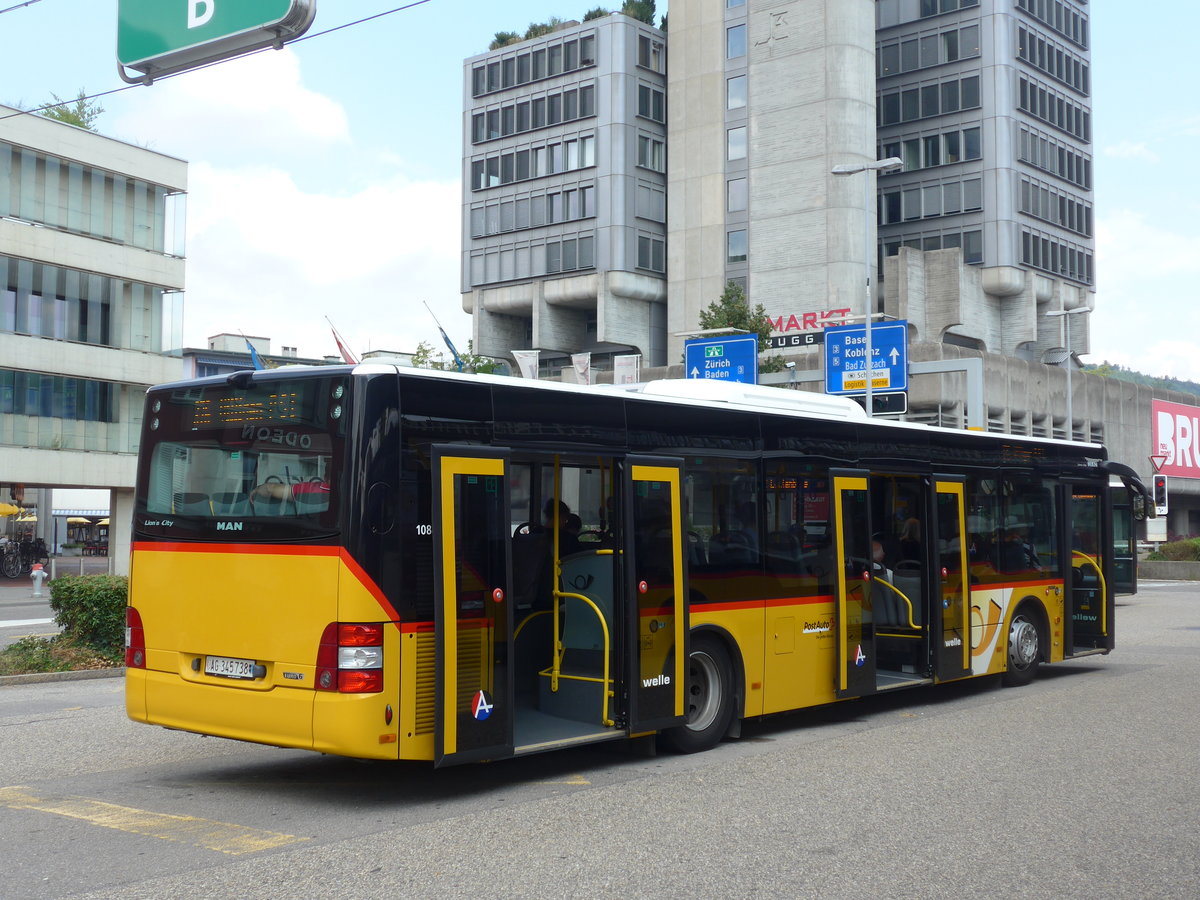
(722, 359)
(846, 358)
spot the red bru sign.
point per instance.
(1175, 434)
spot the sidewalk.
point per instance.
(21, 588)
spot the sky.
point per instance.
(324, 179)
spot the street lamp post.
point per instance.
(1066, 314)
(879, 167)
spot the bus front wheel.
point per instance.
(708, 697)
(1024, 649)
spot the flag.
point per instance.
(445, 337)
(342, 348)
(582, 363)
(527, 360)
(627, 369)
(254, 357)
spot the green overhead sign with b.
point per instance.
(162, 36)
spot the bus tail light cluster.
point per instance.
(350, 658)
(135, 640)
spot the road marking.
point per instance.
(223, 837)
(18, 623)
(573, 779)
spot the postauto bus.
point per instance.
(392, 563)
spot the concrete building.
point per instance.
(564, 194)
(91, 281)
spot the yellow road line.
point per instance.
(211, 835)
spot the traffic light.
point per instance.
(1160, 494)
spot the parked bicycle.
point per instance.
(19, 557)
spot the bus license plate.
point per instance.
(225, 667)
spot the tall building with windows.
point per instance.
(988, 103)
(91, 280)
(564, 194)
(764, 101)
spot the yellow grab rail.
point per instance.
(1103, 587)
(908, 603)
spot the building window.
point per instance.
(735, 92)
(57, 397)
(651, 153)
(650, 53)
(735, 246)
(736, 143)
(736, 195)
(735, 42)
(651, 103)
(652, 253)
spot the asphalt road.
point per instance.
(1081, 785)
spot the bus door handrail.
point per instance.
(1103, 587)
(560, 650)
(907, 603)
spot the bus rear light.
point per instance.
(135, 640)
(350, 658)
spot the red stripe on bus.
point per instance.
(416, 627)
(775, 602)
(252, 549)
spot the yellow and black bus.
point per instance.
(392, 563)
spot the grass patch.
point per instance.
(54, 654)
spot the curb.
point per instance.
(46, 677)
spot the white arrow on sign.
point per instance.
(895, 354)
(695, 373)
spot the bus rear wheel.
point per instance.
(1024, 649)
(708, 697)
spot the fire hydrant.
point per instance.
(39, 575)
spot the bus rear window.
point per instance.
(268, 450)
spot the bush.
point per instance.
(1187, 550)
(56, 654)
(91, 610)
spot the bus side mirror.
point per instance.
(1138, 506)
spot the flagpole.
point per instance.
(347, 355)
(445, 337)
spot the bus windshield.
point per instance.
(223, 453)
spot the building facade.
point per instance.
(564, 194)
(988, 104)
(91, 280)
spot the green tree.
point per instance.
(503, 39)
(642, 10)
(732, 310)
(82, 112)
(426, 357)
(598, 13)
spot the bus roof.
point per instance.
(681, 391)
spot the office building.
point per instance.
(91, 280)
(564, 194)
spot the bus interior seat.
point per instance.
(783, 551)
(531, 569)
(270, 506)
(232, 503)
(191, 504)
(885, 606)
(589, 574)
(907, 579)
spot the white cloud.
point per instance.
(267, 258)
(240, 108)
(1147, 311)
(1137, 150)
